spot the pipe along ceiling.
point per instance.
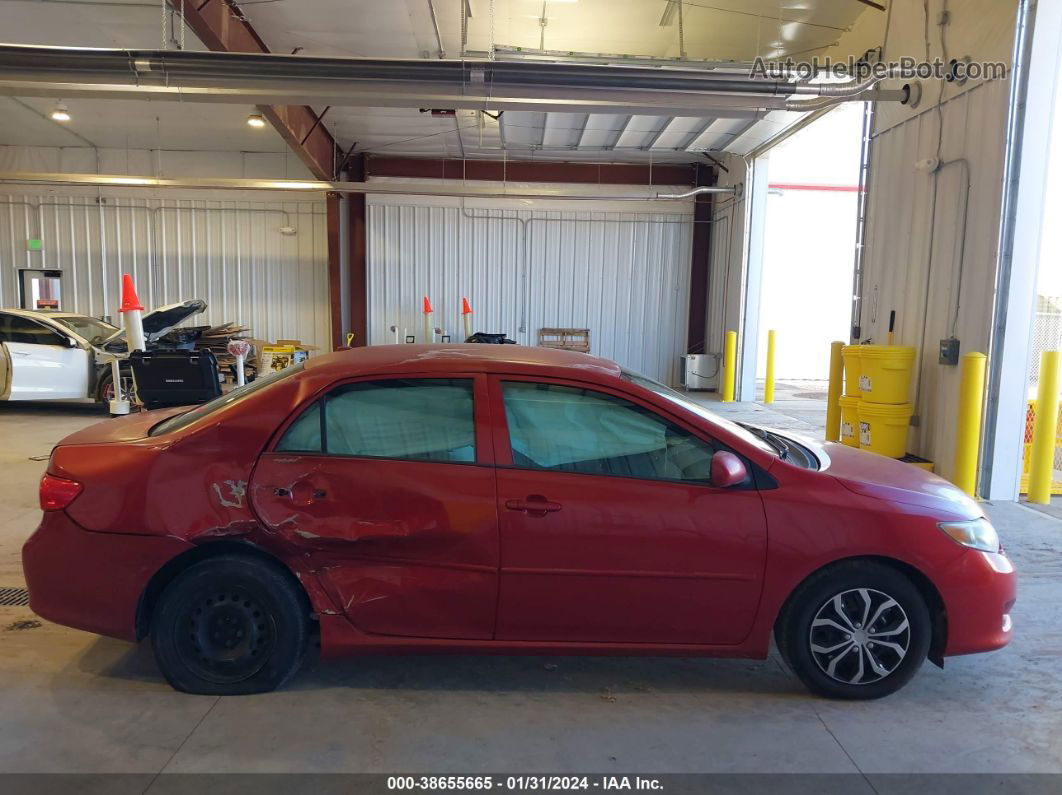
(466, 84)
(311, 186)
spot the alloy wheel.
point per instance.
(860, 636)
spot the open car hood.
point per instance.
(159, 321)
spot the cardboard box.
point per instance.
(272, 358)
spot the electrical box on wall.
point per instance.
(949, 351)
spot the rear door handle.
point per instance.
(301, 493)
(534, 505)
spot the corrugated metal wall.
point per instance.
(229, 253)
(924, 253)
(625, 276)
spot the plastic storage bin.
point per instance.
(849, 420)
(850, 357)
(885, 373)
(883, 427)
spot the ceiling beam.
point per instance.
(656, 136)
(530, 171)
(223, 28)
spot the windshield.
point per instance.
(681, 400)
(184, 419)
(95, 331)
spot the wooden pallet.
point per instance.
(568, 339)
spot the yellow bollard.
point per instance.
(1041, 457)
(833, 395)
(729, 366)
(968, 424)
(768, 384)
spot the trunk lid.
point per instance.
(121, 429)
(159, 321)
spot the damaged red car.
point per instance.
(502, 499)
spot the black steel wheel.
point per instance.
(230, 625)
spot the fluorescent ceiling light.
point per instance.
(256, 120)
(293, 185)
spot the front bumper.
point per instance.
(91, 581)
(979, 590)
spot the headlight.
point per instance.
(975, 534)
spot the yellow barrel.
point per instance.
(883, 427)
(885, 373)
(849, 419)
(850, 354)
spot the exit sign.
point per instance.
(34, 244)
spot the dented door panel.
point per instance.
(403, 547)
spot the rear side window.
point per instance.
(186, 418)
(566, 429)
(417, 419)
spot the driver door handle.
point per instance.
(534, 505)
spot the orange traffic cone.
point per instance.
(130, 302)
(429, 329)
(466, 313)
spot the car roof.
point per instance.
(460, 357)
(39, 313)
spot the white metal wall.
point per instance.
(623, 275)
(229, 253)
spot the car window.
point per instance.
(21, 329)
(186, 418)
(419, 419)
(568, 429)
(95, 331)
(679, 399)
(304, 435)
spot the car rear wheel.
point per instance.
(229, 626)
(857, 630)
(105, 390)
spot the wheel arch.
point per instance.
(164, 576)
(925, 586)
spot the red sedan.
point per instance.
(502, 499)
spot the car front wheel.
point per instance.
(230, 625)
(857, 630)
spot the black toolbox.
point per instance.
(175, 378)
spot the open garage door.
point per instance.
(622, 273)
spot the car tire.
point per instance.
(855, 630)
(103, 390)
(230, 625)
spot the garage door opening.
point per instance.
(810, 240)
(40, 289)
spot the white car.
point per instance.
(51, 355)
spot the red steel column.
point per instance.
(335, 280)
(359, 274)
(700, 264)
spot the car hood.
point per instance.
(877, 476)
(873, 475)
(158, 321)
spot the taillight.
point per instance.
(57, 493)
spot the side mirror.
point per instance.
(71, 342)
(727, 470)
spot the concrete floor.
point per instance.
(74, 702)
